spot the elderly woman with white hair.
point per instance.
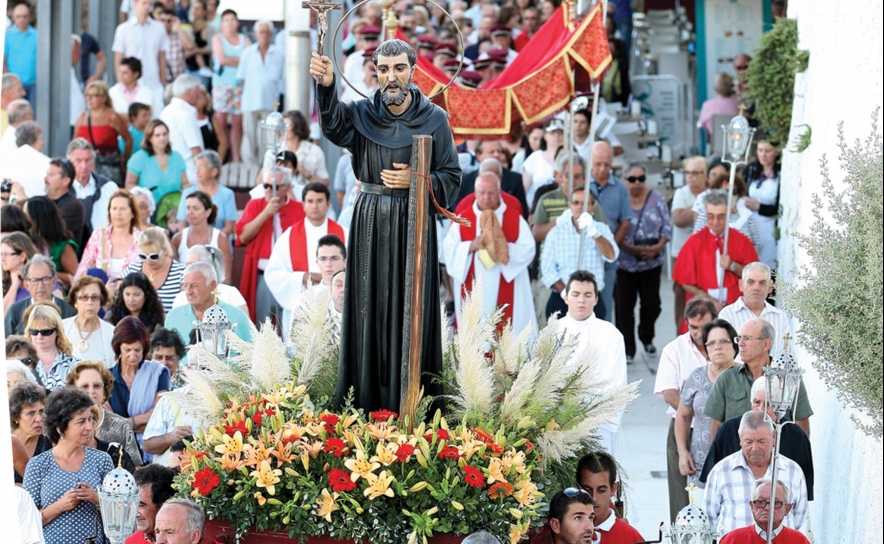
(147, 206)
(213, 256)
(208, 170)
(17, 372)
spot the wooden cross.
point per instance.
(321, 8)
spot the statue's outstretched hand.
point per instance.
(321, 69)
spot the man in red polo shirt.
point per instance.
(702, 268)
(261, 225)
(597, 474)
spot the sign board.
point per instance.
(662, 100)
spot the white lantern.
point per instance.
(691, 525)
(212, 330)
(118, 501)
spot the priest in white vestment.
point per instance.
(603, 340)
(498, 246)
(293, 262)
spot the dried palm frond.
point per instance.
(265, 358)
(313, 338)
(199, 398)
(511, 349)
(474, 391)
(520, 393)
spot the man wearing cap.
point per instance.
(378, 133)
(471, 79)
(426, 43)
(367, 82)
(368, 36)
(441, 53)
(502, 38)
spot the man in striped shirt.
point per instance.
(756, 285)
(730, 485)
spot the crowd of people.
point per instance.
(112, 252)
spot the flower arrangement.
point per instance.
(274, 457)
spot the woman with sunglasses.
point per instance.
(51, 232)
(641, 261)
(138, 381)
(91, 336)
(15, 250)
(137, 297)
(114, 248)
(201, 216)
(156, 261)
(719, 337)
(45, 330)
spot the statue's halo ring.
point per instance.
(355, 7)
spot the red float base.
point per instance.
(220, 531)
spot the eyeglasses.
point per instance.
(34, 414)
(722, 342)
(741, 67)
(761, 503)
(153, 256)
(739, 339)
(269, 186)
(45, 280)
(87, 298)
(42, 332)
(636, 179)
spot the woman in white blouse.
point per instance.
(89, 335)
(311, 159)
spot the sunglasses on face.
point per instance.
(42, 332)
(636, 179)
(269, 187)
(152, 256)
(87, 298)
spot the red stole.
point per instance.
(298, 243)
(510, 226)
(261, 245)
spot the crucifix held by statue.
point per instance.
(393, 231)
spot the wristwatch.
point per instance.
(733, 267)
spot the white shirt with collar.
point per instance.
(30, 523)
(677, 360)
(165, 417)
(7, 141)
(184, 133)
(100, 211)
(260, 76)
(27, 166)
(145, 42)
(738, 313)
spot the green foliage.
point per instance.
(771, 77)
(839, 302)
(802, 142)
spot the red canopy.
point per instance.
(537, 83)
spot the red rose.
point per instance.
(383, 415)
(404, 452)
(205, 481)
(329, 420)
(473, 477)
(335, 446)
(339, 480)
(449, 452)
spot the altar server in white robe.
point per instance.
(601, 338)
(293, 261)
(498, 246)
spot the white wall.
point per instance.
(843, 83)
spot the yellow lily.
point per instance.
(313, 449)
(378, 485)
(386, 454)
(381, 433)
(327, 505)
(230, 463)
(361, 467)
(516, 534)
(257, 453)
(514, 461)
(267, 477)
(260, 498)
(232, 444)
(526, 493)
(495, 471)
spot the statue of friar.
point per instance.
(378, 132)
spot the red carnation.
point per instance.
(329, 420)
(240, 426)
(473, 477)
(335, 446)
(339, 480)
(205, 481)
(383, 415)
(449, 452)
(404, 452)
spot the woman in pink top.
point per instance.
(112, 249)
(724, 104)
